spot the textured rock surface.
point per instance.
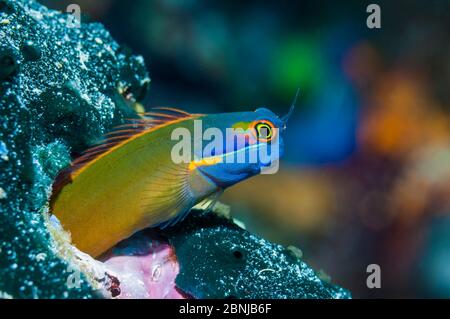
(60, 89)
(218, 259)
(209, 256)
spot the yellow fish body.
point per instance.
(131, 182)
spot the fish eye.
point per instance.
(264, 130)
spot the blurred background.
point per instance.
(366, 173)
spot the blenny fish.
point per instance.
(131, 182)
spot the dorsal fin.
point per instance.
(120, 134)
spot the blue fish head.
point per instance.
(241, 145)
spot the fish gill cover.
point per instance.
(61, 88)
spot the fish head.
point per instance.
(240, 145)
